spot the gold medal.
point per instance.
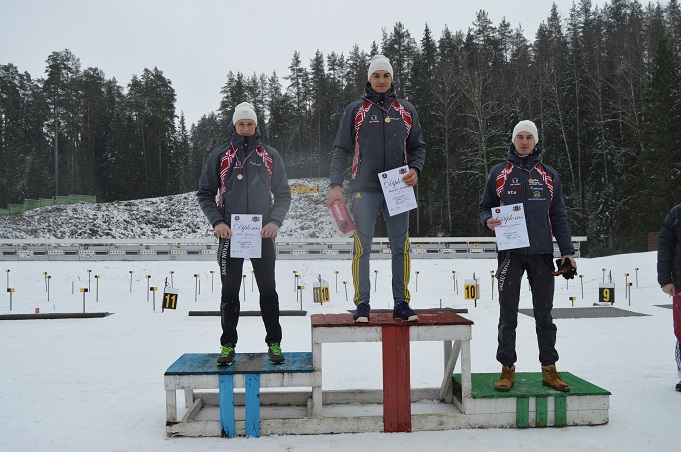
(239, 176)
(387, 119)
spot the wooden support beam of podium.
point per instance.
(396, 380)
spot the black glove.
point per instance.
(565, 268)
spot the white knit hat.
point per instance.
(380, 63)
(525, 126)
(244, 110)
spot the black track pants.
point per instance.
(230, 275)
(509, 274)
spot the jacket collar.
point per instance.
(239, 141)
(530, 160)
(384, 99)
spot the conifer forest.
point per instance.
(603, 86)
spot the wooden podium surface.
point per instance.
(426, 318)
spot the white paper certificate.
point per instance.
(512, 233)
(246, 241)
(399, 197)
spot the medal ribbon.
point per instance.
(406, 118)
(240, 165)
(225, 163)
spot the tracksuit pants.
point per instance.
(509, 275)
(365, 208)
(231, 277)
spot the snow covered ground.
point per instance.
(167, 217)
(97, 384)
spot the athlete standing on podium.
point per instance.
(380, 132)
(247, 177)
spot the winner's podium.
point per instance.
(395, 335)
(293, 400)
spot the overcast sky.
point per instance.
(196, 43)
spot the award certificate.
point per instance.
(246, 241)
(512, 233)
(399, 197)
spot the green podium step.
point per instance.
(535, 404)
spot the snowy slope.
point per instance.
(168, 217)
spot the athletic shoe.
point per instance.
(402, 311)
(362, 313)
(274, 354)
(226, 355)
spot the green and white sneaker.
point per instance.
(226, 355)
(274, 354)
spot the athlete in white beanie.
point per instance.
(380, 132)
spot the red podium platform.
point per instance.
(395, 336)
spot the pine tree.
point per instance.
(205, 136)
(152, 101)
(298, 91)
(279, 108)
(660, 163)
(234, 92)
(318, 112)
(118, 167)
(63, 69)
(356, 74)
(23, 111)
(420, 92)
(400, 48)
(93, 126)
(180, 163)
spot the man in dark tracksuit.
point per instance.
(248, 178)
(380, 133)
(669, 271)
(524, 179)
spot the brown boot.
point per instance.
(551, 378)
(506, 380)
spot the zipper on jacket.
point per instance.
(381, 99)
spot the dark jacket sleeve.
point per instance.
(209, 184)
(489, 198)
(343, 146)
(666, 244)
(416, 147)
(280, 189)
(559, 219)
